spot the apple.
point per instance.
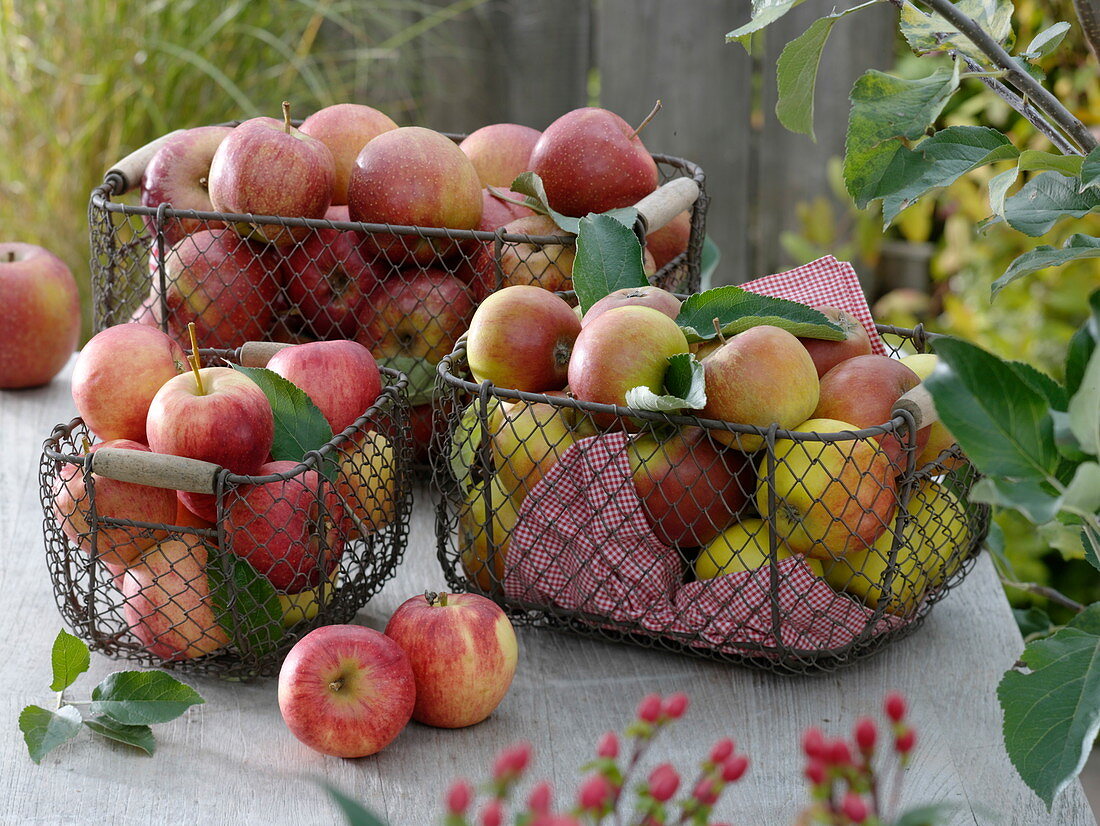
(267, 167)
(827, 354)
(744, 546)
(217, 415)
(345, 128)
(591, 160)
(654, 297)
(862, 390)
(497, 211)
(412, 176)
(305, 605)
(39, 314)
(485, 526)
(930, 548)
(419, 314)
(167, 603)
(691, 489)
(521, 338)
(463, 653)
(346, 690)
(759, 377)
(290, 530)
(666, 242)
(179, 174)
(117, 374)
(367, 482)
(939, 437)
(72, 508)
(546, 265)
(341, 377)
(500, 152)
(832, 497)
(623, 348)
(527, 441)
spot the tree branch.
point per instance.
(1088, 12)
(1024, 82)
(1046, 592)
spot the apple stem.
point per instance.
(435, 599)
(11, 256)
(194, 358)
(286, 116)
(648, 118)
(718, 329)
(336, 684)
(86, 444)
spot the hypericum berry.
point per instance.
(813, 743)
(895, 706)
(706, 792)
(649, 709)
(512, 761)
(905, 741)
(492, 814)
(839, 754)
(721, 750)
(675, 705)
(815, 771)
(663, 782)
(539, 799)
(595, 793)
(608, 745)
(854, 808)
(458, 797)
(866, 734)
(734, 768)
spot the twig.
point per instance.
(1047, 592)
(1088, 12)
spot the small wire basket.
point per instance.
(788, 551)
(305, 544)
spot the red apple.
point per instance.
(346, 690)
(345, 128)
(117, 374)
(227, 421)
(544, 264)
(341, 377)
(521, 338)
(670, 240)
(653, 297)
(267, 167)
(179, 175)
(39, 314)
(590, 160)
(827, 354)
(463, 653)
(939, 437)
(500, 152)
(423, 431)
(497, 211)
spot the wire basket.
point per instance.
(788, 551)
(303, 545)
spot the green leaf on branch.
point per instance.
(1042, 384)
(1032, 160)
(708, 261)
(1002, 424)
(138, 736)
(684, 386)
(1032, 621)
(421, 375)
(1052, 713)
(245, 604)
(609, 258)
(999, 185)
(1078, 247)
(764, 12)
(136, 698)
(885, 109)
(1082, 345)
(45, 730)
(299, 425)
(70, 658)
(530, 184)
(1090, 171)
(1030, 498)
(737, 310)
(932, 33)
(1046, 41)
(1083, 493)
(1084, 408)
(1046, 199)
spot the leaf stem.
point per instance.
(1045, 591)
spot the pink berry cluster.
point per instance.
(844, 784)
(600, 794)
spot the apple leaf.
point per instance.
(1084, 407)
(1041, 383)
(764, 12)
(45, 730)
(245, 604)
(609, 258)
(1090, 170)
(1083, 493)
(1046, 199)
(999, 185)
(1032, 160)
(136, 698)
(1028, 497)
(1046, 41)
(70, 659)
(1082, 345)
(1076, 248)
(684, 386)
(530, 184)
(1032, 621)
(708, 261)
(421, 375)
(355, 813)
(138, 736)
(737, 310)
(932, 33)
(299, 426)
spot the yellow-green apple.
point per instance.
(939, 437)
(117, 545)
(367, 482)
(498, 210)
(744, 546)
(862, 391)
(690, 487)
(167, 603)
(420, 313)
(117, 374)
(528, 440)
(666, 242)
(267, 167)
(217, 415)
(346, 690)
(827, 354)
(930, 549)
(179, 174)
(290, 530)
(759, 377)
(463, 653)
(485, 524)
(832, 497)
(345, 128)
(39, 314)
(543, 264)
(623, 348)
(305, 605)
(341, 377)
(412, 176)
(521, 338)
(654, 297)
(226, 285)
(500, 152)
(591, 160)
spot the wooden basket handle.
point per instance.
(157, 470)
(259, 353)
(127, 172)
(918, 402)
(666, 202)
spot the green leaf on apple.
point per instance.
(530, 184)
(70, 659)
(138, 736)
(738, 309)
(421, 375)
(355, 813)
(45, 730)
(136, 698)
(609, 258)
(685, 388)
(245, 604)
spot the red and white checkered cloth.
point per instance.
(582, 542)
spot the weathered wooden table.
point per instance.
(233, 761)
